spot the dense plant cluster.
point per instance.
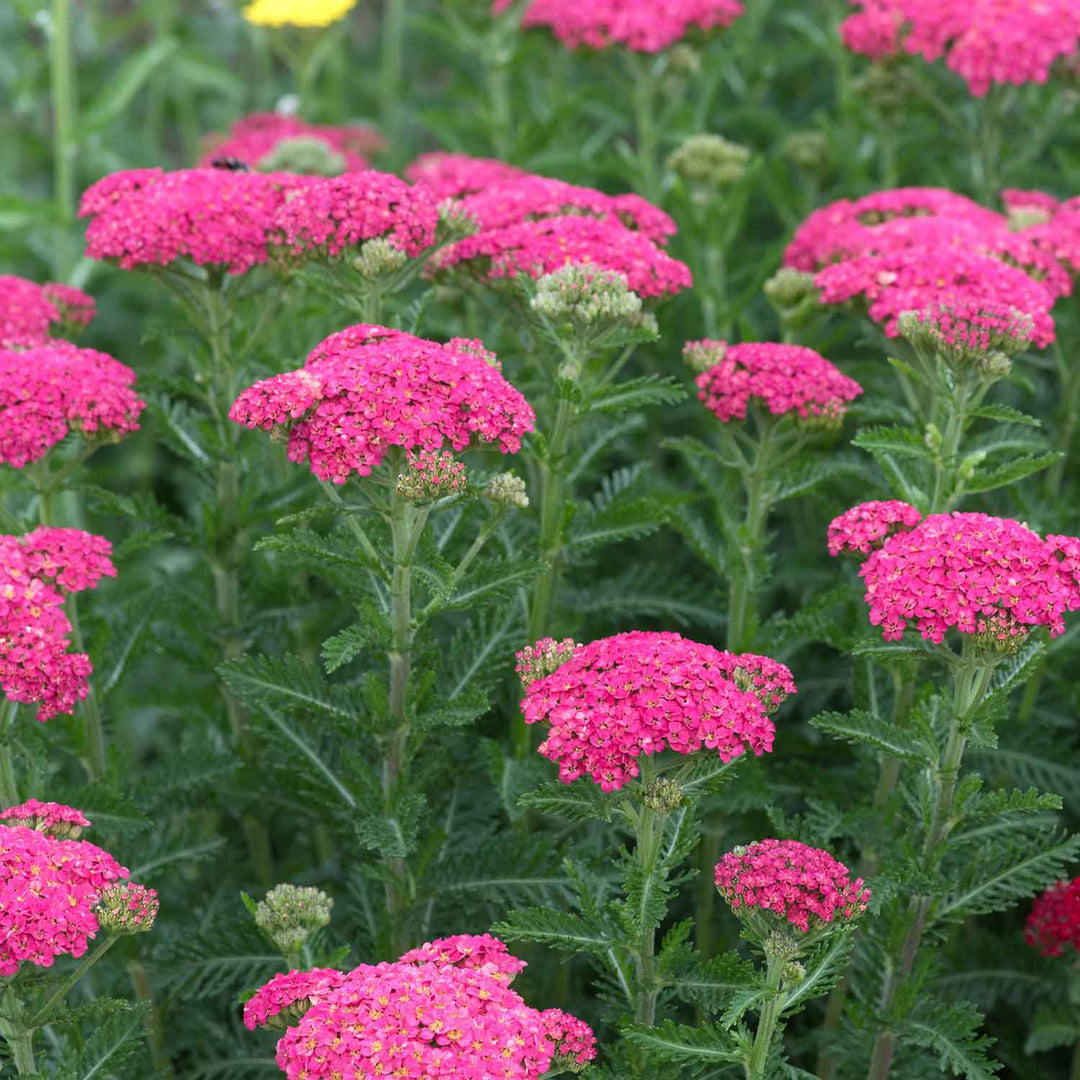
(544, 538)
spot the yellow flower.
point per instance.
(296, 12)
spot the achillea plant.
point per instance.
(31, 314)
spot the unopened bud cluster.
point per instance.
(547, 655)
(431, 476)
(969, 336)
(707, 163)
(1001, 632)
(289, 913)
(127, 909)
(789, 291)
(507, 489)
(807, 149)
(378, 258)
(305, 155)
(703, 356)
(663, 796)
(585, 295)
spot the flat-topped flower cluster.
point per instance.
(642, 692)
(1053, 924)
(368, 388)
(30, 313)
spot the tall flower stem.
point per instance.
(41, 1016)
(971, 681)
(392, 56)
(767, 1020)
(647, 129)
(93, 728)
(1069, 379)
(9, 788)
(649, 834)
(62, 76)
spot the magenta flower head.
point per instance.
(1053, 924)
(287, 996)
(327, 218)
(983, 41)
(574, 1041)
(782, 378)
(368, 388)
(427, 1020)
(973, 573)
(267, 141)
(55, 389)
(537, 247)
(864, 528)
(35, 572)
(30, 313)
(790, 884)
(449, 176)
(213, 217)
(639, 25)
(642, 692)
(48, 890)
(127, 909)
(482, 952)
(54, 819)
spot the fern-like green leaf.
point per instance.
(859, 726)
(952, 1032)
(682, 1047)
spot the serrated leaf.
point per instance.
(712, 982)
(1051, 1028)
(824, 969)
(580, 801)
(640, 393)
(393, 835)
(494, 580)
(289, 683)
(1010, 472)
(892, 440)
(557, 929)
(1005, 413)
(952, 1032)
(859, 726)
(686, 1047)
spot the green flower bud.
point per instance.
(289, 913)
(378, 258)
(702, 356)
(127, 908)
(303, 154)
(583, 294)
(663, 796)
(707, 163)
(807, 149)
(507, 489)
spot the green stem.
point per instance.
(945, 461)
(93, 729)
(41, 1016)
(770, 1014)
(497, 83)
(62, 75)
(9, 789)
(1074, 1070)
(392, 54)
(648, 143)
(650, 833)
(1069, 378)
(22, 1051)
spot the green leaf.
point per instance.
(1051, 1028)
(952, 1032)
(112, 1041)
(120, 90)
(346, 645)
(558, 929)
(638, 393)
(712, 982)
(493, 580)
(824, 969)
(1011, 472)
(393, 835)
(892, 440)
(289, 683)
(580, 801)
(859, 726)
(1006, 413)
(677, 1045)
(465, 709)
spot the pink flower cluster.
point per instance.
(29, 312)
(792, 881)
(253, 138)
(34, 663)
(329, 215)
(784, 378)
(965, 327)
(415, 1018)
(983, 41)
(1054, 921)
(1058, 235)
(55, 819)
(573, 1038)
(289, 989)
(48, 889)
(482, 951)
(643, 692)
(640, 25)
(538, 247)
(546, 656)
(865, 527)
(767, 679)
(449, 176)
(52, 389)
(431, 476)
(368, 388)
(214, 217)
(127, 909)
(969, 572)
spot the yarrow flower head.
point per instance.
(368, 388)
(639, 25)
(35, 665)
(547, 655)
(327, 218)
(1053, 924)
(431, 476)
(482, 952)
(289, 914)
(783, 378)
(283, 1001)
(52, 390)
(790, 882)
(957, 571)
(641, 693)
(983, 41)
(307, 13)
(127, 908)
(575, 1043)
(969, 335)
(276, 142)
(865, 527)
(29, 313)
(48, 890)
(709, 163)
(449, 176)
(214, 217)
(54, 819)
(441, 1018)
(587, 296)
(507, 489)
(538, 247)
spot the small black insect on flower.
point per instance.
(231, 164)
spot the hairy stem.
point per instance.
(22, 1051)
(770, 1014)
(392, 55)
(650, 832)
(42, 1015)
